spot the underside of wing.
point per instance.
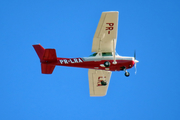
(106, 33)
(98, 82)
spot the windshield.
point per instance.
(117, 54)
(103, 54)
(94, 54)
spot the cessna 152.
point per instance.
(101, 63)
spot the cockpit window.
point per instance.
(107, 54)
(94, 54)
(103, 54)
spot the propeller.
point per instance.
(134, 54)
(136, 61)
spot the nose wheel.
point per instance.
(126, 72)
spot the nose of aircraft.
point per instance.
(136, 61)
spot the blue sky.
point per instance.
(150, 27)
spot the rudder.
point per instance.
(39, 50)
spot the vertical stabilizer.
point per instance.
(39, 50)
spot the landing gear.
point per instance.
(126, 72)
(107, 64)
(103, 83)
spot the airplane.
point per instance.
(101, 63)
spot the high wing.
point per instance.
(106, 33)
(97, 80)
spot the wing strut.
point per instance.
(114, 51)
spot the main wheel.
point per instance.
(127, 74)
(107, 64)
(103, 83)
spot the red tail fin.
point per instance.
(47, 58)
(39, 50)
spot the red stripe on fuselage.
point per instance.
(79, 62)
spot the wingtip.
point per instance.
(92, 95)
(111, 12)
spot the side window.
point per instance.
(107, 54)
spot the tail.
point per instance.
(47, 58)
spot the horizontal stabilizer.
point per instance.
(50, 55)
(47, 68)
